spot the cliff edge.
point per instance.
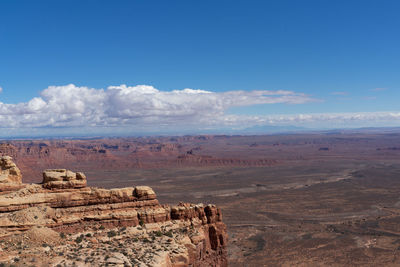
(62, 222)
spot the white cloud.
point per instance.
(137, 107)
(326, 120)
(145, 108)
(1, 89)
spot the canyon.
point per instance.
(310, 199)
(33, 156)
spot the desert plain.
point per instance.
(315, 199)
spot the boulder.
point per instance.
(63, 179)
(10, 175)
(118, 259)
(144, 192)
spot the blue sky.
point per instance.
(343, 55)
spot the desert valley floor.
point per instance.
(322, 199)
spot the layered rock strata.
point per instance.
(63, 179)
(64, 204)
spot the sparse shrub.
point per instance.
(62, 235)
(111, 233)
(169, 233)
(141, 222)
(79, 239)
(101, 227)
(158, 233)
(88, 235)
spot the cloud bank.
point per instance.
(72, 106)
(145, 108)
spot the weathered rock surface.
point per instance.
(186, 234)
(10, 175)
(9, 172)
(63, 179)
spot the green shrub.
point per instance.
(141, 222)
(169, 234)
(111, 233)
(158, 233)
(79, 239)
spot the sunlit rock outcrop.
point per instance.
(155, 235)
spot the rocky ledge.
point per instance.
(62, 222)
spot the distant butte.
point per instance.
(127, 153)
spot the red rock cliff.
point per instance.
(182, 235)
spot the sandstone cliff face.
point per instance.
(116, 227)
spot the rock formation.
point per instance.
(127, 153)
(102, 221)
(63, 179)
(9, 172)
(10, 175)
